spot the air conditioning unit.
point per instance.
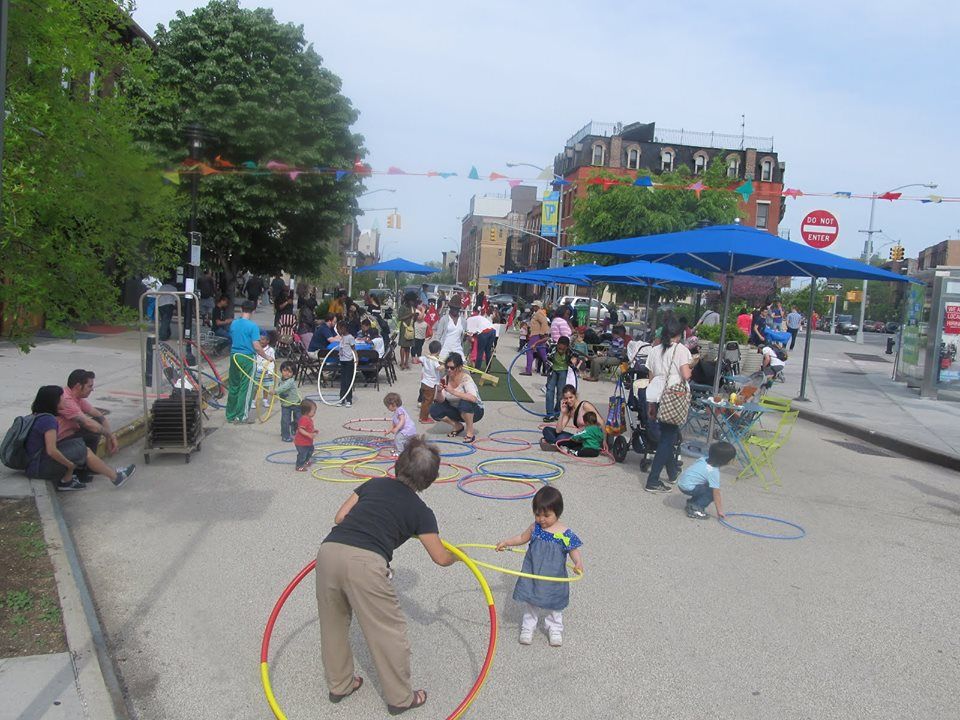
(578, 147)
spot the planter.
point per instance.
(750, 360)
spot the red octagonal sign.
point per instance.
(819, 229)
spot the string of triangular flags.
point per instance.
(745, 190)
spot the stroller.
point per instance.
(644, 434)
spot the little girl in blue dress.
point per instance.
(550, 544)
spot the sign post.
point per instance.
(819, 229)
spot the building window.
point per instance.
(633, 159)
(766, 171)
(666, 161)
(763, 215)
(733, 166)
(599, 154)
(699, 163)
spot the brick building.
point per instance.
(943, 254)
(625, 150)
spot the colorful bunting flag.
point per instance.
(514, 183)
(932, 199)
(792, 193)
(206, 169)
(644, 181)
(891, 196)
(220, 162)
(171, 177)
(474, 175)
(395, 171)
(249, 164)
(295, 174)
(745, 190)
(274, 165)
(497, 176)
(445, 175)
(341, 174)
(843, 194)
(698, 187)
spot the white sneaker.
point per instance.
(556, 639)
(526, 637)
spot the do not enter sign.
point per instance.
(819, 229)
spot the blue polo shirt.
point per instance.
(700, 473)
(244, 333)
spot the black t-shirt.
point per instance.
(206, 286)
(387, 514)
(221, 314)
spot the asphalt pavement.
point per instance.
(674, 618)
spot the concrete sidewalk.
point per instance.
(850, 388)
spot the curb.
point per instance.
(96, 682)
(887, 442)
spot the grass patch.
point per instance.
(30, 618)
(500, 392)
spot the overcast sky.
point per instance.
(857, 100)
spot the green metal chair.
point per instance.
(760, 450)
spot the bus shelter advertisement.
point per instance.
(949, 342)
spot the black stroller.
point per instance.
(644, 434)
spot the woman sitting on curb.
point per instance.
(50, 460)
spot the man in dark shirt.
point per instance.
(326, 333)
(222, 317)
(277, 286)
(207, 289)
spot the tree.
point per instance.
(83, 206)
(621, 211)
(262, 94)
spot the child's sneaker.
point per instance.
(696, 513)
(347, 403)
(526, 636)
(123, 474)
(556, 639)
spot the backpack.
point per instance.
(13, 449)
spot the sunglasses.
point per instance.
(451, 367)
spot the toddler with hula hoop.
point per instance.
(549, 545)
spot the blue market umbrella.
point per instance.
(398, 265)
(739, 250)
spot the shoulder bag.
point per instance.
(675, 399)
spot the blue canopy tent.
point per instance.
(733, 250)
(398, 265)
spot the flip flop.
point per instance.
(456, 433)
(358, 683)
(469, 439)
(419, 698)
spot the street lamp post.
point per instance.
(868, 249)
(195, 135)
(555, 260)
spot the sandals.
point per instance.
(419, 698)
(357, 684)
(456, 433)
(469, 439)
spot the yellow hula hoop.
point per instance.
(260, 395)
(233, 359)
(517, 573)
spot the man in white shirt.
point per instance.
(772, 365)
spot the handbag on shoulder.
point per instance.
(675, 399)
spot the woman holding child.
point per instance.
(571, 420)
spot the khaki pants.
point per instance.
(426, 400)
(353, 580)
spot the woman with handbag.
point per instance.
(668, 399)
(405, 319)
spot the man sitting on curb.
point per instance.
(79, 419)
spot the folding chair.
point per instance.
(368, 367)
(761, 450)
(773, 402)
(389, 362)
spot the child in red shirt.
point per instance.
(303, 440)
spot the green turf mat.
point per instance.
(500, 391)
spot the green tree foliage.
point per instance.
(83, 206)
(622, 211)
(262, 94)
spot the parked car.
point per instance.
(873, 326)
(598, 311)
(845, 325)
(891, 327)
(505, 301)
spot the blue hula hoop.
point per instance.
(514, 442)
(269, 458)
(542, 477)
(462, 481)
(513, 395)
(764, 535)
(467, 449)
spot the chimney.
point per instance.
(750, 166)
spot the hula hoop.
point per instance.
(561, 448)
(471, 694)
(251, 378)
(513, 395)
(523, 445)
(348, 469)
(261, 394)
(366, 430)
(517, 573)
(764, 535)
(467, 449)
(221, 385)
(344, 449)
(546, 477)
(441, 480)
(318, 475)
(269, 458)
(353, 381)
(364, 440)
(480, 477)
(170, 360)
(511, 441)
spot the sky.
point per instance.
(859, 97)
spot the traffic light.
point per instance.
(896, 253)
(390, 220)
(396, 221)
